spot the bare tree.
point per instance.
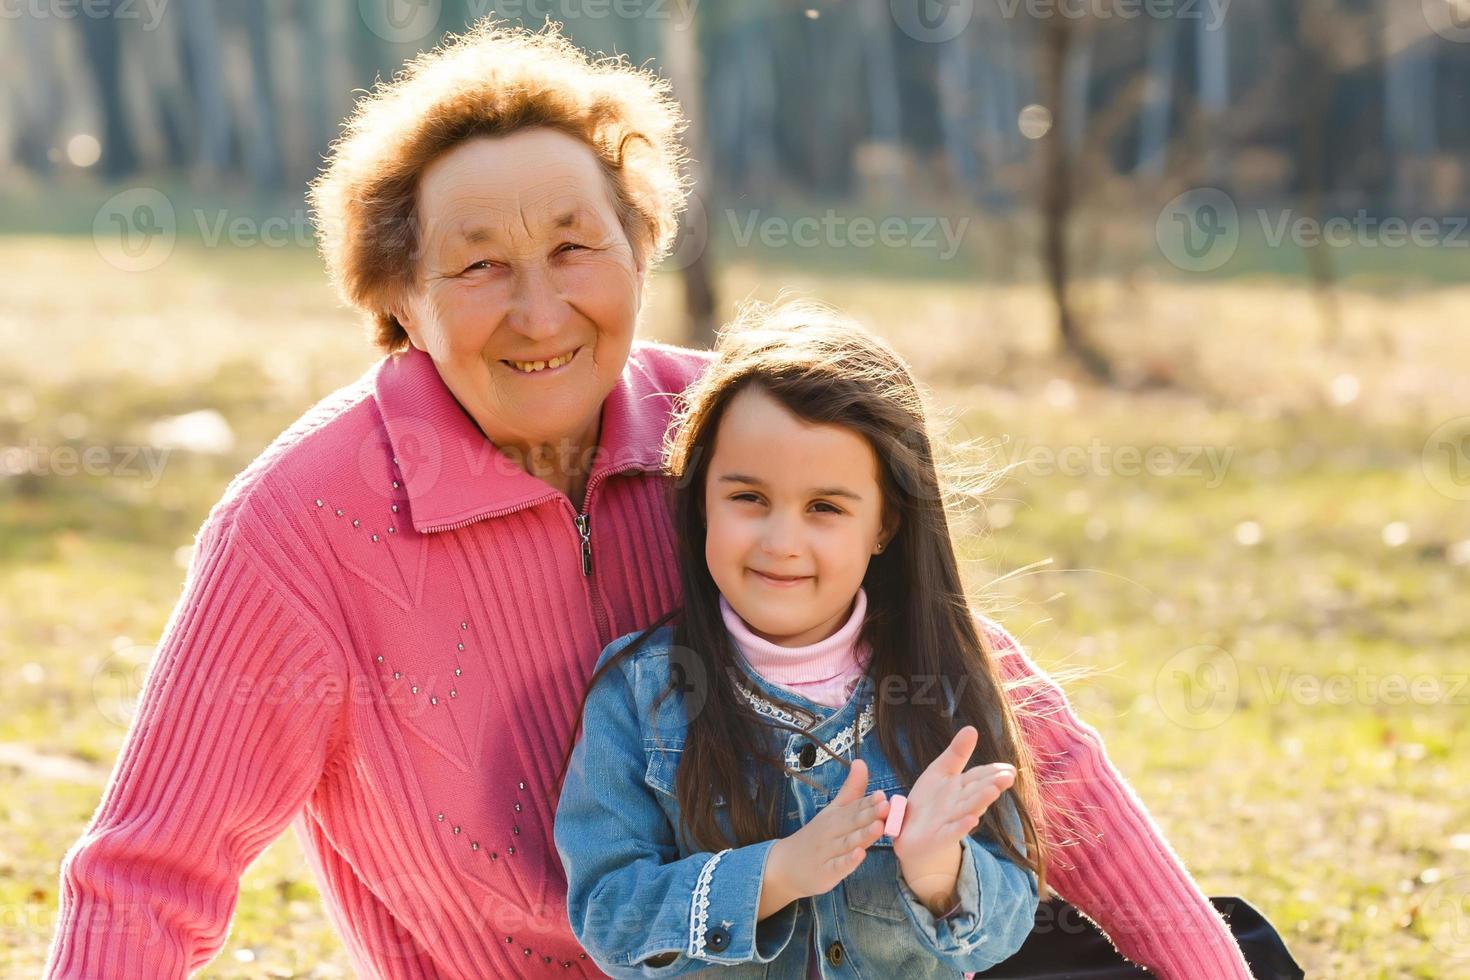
(681, 56)
(1057, 195)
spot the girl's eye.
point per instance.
(742, 497)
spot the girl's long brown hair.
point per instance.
(827, 370)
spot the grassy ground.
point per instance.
(1245, 605)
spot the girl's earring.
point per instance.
(880, 546)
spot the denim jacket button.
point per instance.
(835, 954)
(717, 939)
(808, 757)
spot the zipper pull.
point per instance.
(584, 527)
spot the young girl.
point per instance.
(810, 769)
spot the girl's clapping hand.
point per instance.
(947, 803)
(830, 847)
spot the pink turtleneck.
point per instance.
(825, 671)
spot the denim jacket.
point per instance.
(636, 890)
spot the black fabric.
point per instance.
(1065, 946)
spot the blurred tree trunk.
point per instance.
(1317, 83)
(1153, 128)
(821, 57)
(1078, 90)
(211, 107)
(332, 23)
(743, 115)
(1409, 135)
(883, 102)
(1213, 44)
(996, 82)
(1057, 196)
(365, 50)
(317, 77)
(102, 41)
(681, 55)
(38, 104)
(263, 155)
(956, 108)
(163, 59)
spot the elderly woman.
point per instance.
(390, 615)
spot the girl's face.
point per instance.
(793, 513)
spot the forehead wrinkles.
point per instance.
(472, 207)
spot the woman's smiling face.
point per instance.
(793, 513)
(522, 259)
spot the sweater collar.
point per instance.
(812, 663)
(454, 475)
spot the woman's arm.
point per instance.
(1119, 870)
(636, 907)
(231, 734)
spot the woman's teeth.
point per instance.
(529, 367)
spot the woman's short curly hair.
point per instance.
(491, 81)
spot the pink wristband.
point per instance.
(898, 803)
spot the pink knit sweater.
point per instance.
(382, 642)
